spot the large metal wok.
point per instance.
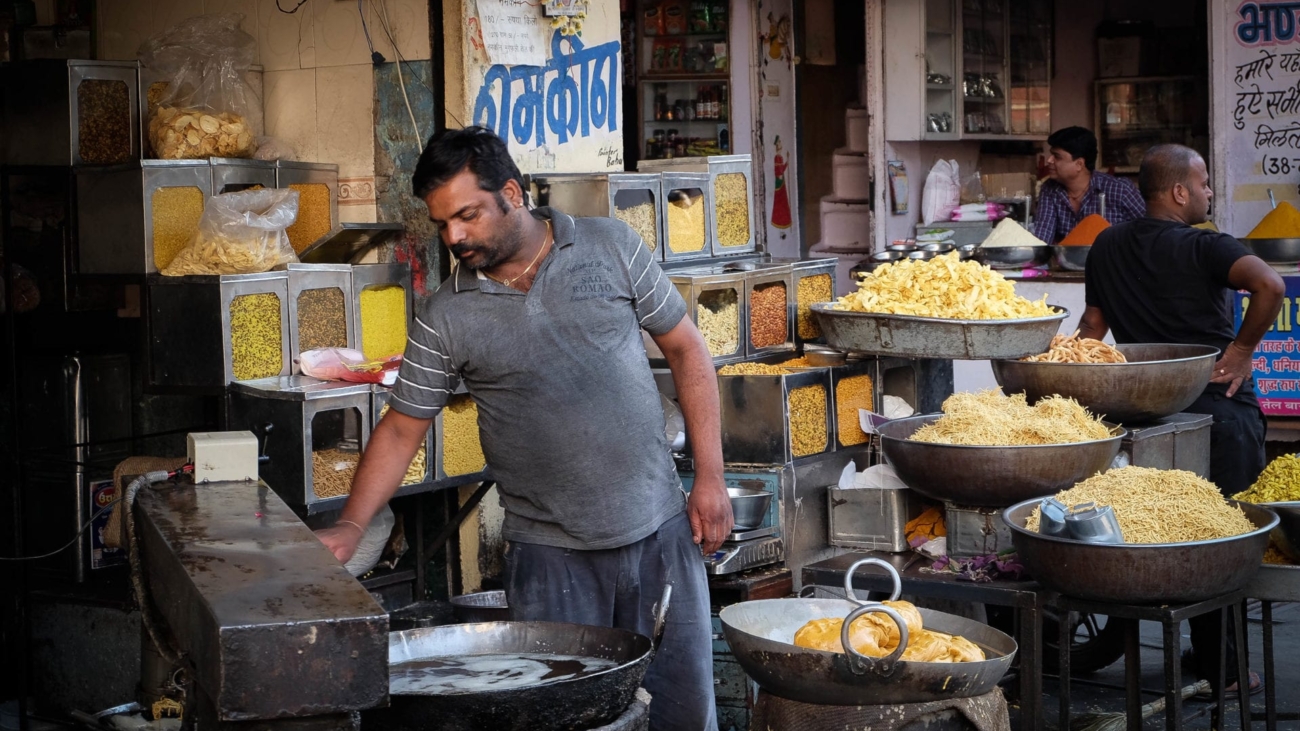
(1142, 573)
(1159, 380)
(761, 635)
(582, 702)
(990, 476)
(936, 337)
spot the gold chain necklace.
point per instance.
(520, 275)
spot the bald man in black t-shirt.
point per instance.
(1160, 280)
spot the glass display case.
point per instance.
(985, 71)
(1030, 64)
(941, 83)
(984, 66)
(1135, 113)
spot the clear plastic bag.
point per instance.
(207, 107)
(240, 233)
(345, 364)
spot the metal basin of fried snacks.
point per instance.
(1142, 573)
(905, 336)
(1158, 380)
(990, 476)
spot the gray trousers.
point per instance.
(618, 587)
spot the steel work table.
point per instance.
(1024, 596)
(1273, 584)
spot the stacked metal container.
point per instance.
(730, 188)
(633, 198)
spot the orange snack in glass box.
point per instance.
(1085, 233)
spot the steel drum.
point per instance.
(1287, 533)
(935, 337)
(990, 476)
(1141, 573)
(1159, 380)
(761, 635)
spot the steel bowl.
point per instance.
(823, 357)
(481, 606)
(748, 507)
(922, 255)
(1275, 251)
(903, 248)
(1160, 379)
(990, 476)
(905, 336)
(1287, 533)
(1012, 257)
(938, 247)
(1142, 573)
(880, 259)
(967, 251)
(1071, 258)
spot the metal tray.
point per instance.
(933, 337)
(1275, 251)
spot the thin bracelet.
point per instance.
(349, 522)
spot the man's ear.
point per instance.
(513, 193)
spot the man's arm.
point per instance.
(697, 390)
(1266, 291)
(393, 445)
(1093, 324)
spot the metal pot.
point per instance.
(990, 476)
(748, 507)
(482, 606)
(1275, 251)
(1012, 257)
(581, 702)
(761, 635)
(1071, 258)
(1142, 573)
(1158, 380)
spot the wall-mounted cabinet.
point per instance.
(968, 69)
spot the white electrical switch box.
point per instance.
(223, 456)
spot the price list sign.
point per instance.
(1277, 359)
(1262, 132)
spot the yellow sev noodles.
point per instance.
(944, 287)
(1278, 483)
(1158, 506)
(988, 418)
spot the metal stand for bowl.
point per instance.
(1170, 617)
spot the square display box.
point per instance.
(731, 185)
(134, 219)
(633, 198)
(77, 113)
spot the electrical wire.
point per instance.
(374, 57)
(77, 536)
(387, 25)
(70, 543)
(290, 12)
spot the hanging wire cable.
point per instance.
(387, 25)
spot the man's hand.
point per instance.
(1233, 368)
(709, 509)
(342, 540)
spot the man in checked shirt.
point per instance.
(1074, 188)
(541, 320)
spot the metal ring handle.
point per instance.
(889, 568)
(861, 664)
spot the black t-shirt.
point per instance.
(1159, 281)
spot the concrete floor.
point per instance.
(1286, 651)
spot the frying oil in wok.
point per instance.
(479, 673)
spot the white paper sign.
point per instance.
(515, 33)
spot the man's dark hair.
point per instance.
(477, 149)
(1163, 167)
(1079, 142)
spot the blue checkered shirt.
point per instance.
(1055, 218)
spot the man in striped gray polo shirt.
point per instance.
(541, 321)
